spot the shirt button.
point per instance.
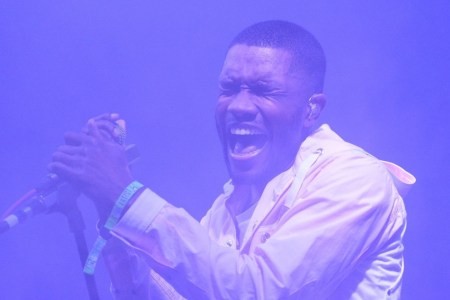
(264, 237)
(229, 243)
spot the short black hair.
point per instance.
(308, 55)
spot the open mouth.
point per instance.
(246, 141)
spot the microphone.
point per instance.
(38, 205)
(42, 203)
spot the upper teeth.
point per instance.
(244, 131)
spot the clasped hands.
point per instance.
(94, 161)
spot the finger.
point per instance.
(106, 129)
(76, 138)
(94, 131)
(63, 170)
(70, 150)
(64, 158)
(115, 116)
(116, 129)
(110, 126)
(107, 126)
(109, 130)
(107, 116)
(121, 123)
(103, 118)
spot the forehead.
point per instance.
(254, 62)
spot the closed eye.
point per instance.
(263, 89)
(229, 87)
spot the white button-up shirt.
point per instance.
(330, 227)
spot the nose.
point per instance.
(243, 107)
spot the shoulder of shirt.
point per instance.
(331, 146)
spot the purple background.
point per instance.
(157, 64)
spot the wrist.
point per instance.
(105, 204)
(121, 204)
(116, 213)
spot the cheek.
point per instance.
(289, 119)
(220, 116)
(288, 129)
(220, 110)
(296, 117)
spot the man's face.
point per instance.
(260, 112)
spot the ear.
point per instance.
(316, 104)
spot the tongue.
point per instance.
(242, 148)
(248, 144)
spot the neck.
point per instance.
(243, 196)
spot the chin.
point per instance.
(244, 179)
(251, 176)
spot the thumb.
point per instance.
(93, 130)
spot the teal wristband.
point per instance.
(117, 210)
(113, 219)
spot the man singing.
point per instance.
(305, 215)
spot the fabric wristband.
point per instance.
(113, 219)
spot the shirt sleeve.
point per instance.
(344, 213)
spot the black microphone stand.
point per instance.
(67, 205)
